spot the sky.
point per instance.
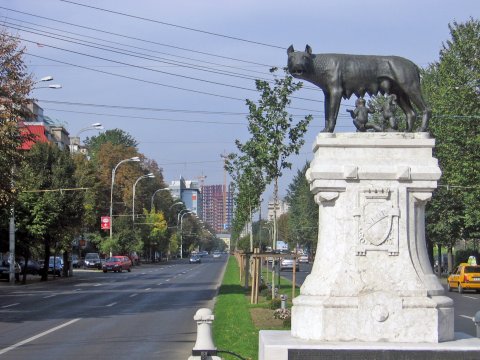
(175, 74)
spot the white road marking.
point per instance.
(110, 305)
(26, 341)
(49, 296)
(7, 306)
(160, 284)
(470, 297)
(466, 317)
(133, 295)
(167, 280)
(148, 289)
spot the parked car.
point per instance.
(464, 277)
(287, 264)
(33, 267)
(195, 259)
(117, 264)
(134, 258)
(92, 261)
(76, 262)
(5, 270)
(303, 259)
(216, 254)
(55, 265)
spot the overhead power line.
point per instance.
(130, 53)
(175, 25)
(103, 31)
(149, 69)
(137, 79)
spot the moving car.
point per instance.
(92, 260)
(117, 264)
(464, 277)
(216, 254)
(303, 259)
(287, 264)
(195, 259)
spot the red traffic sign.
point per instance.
(105, 222)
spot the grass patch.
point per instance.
(237, 322)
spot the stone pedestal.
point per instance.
(371, 280)
(281, 345)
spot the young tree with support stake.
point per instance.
(249, 186)
(274, 133)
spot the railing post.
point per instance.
(476, 320)
(204, 348)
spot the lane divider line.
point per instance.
(26, 341)
(7, 306)
(110, 305)
(133, 295)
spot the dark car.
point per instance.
(33, 267)
(117, 264)
(5, 270)
(195, 259)
(92, 260)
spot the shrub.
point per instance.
(275, 303)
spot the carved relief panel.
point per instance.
(376, 219)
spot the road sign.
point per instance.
(105, 222)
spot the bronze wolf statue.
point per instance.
(341, 75)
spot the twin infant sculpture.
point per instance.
(341, 75)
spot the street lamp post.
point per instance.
(136, 159)
(175, 204)
(181, 232)
(153, 196)
(75, 141)
(45, 79)
(150, 175)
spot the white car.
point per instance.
(287, 264)
(303, 259)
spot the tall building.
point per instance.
(215, 213)
(281, 208)
(188, 191)
(42, 129)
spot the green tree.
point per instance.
(275, 135)
(114, 137)
(451, 86)
(154, 233)
(303, 211)
(15, 85)
(49, 208)
(248, 186)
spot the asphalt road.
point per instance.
(465, 305)
(145, 314)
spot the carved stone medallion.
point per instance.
(376, 215)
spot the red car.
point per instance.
(117, 264)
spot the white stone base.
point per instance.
(371, 279)
(274, 345)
